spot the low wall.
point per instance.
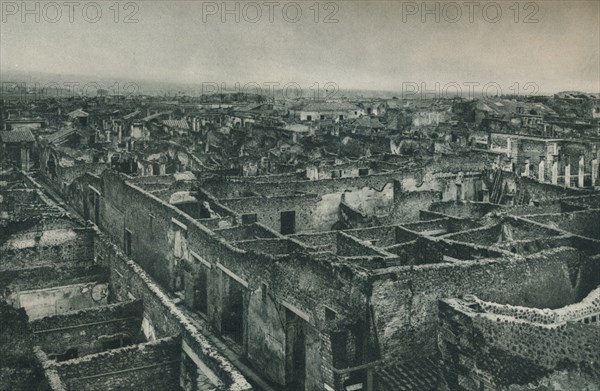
(90, 329)
(405, 298)
(153, 365)
(489, 350)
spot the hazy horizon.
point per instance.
(370, 47)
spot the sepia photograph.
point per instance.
(309, 195)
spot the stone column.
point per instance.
(24, 158)
(568, 175)
(541, 170)
(581, 172)
(526, 172)
(555, 173)
(486, 195)
(594, 171)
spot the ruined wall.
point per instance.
(50, 246)
(482, 350)
(412, 192)
(161, 317)
(306, 283)
(405, 299)
(153, 246)
(407, 205)
(80, 194)
(266, 335)
(410, 178)
(532, 150)
(371, 201)
(542, 191)
(465, 209)
(585, 223)
(19, 369)
(48, 276)
(153, 365)
(245, 232)
(20, 204)
(46, 252)
(507, 231)
(58, 300)
(382, 236)
(89, 330)
(313, 213)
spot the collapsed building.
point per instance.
(393, 278)
(319, 262)
(88, 317)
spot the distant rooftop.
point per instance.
(17, 136)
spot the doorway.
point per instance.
(295, 352)
(288, 222)
(232, 320)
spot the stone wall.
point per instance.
(303, 282)
(90, 330)
(541, 191)
(407, 205)
(312, 213)
(152, 365)
(162, 318)
(405, 298)
(50, 246)
(489, 347)
(58, 300)
(19, 369)
(584, 223)
(49, 276)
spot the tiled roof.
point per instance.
(78, 113)
(176, 123)
(327, 106)
(419, 374)
(17, 136)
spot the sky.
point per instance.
(545, 45)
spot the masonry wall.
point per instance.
(153, 365)
(58, 300)
(465, 209)
(19, 369)
(410, 178)
(161, 317)
(405, 299)
(542, 191)
(407, 205)
(48, 276)
(49, 246)
(88, 330)
(584, 223)
(313, 213)
(482, 351)
(304, 282)
(19, 204)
